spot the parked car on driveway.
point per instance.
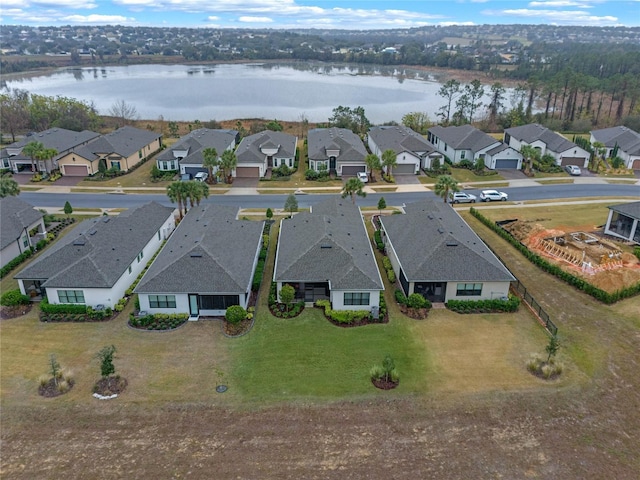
(493, 196)
(201, 176)
(363, 177)
(573, 170)
(462, 197)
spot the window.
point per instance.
(70, 296)
(129, 269)
(25, 241)
(291, 162)
(158, 234)
(115, 165)
(162, 301)
(469, 289)
(356, 298)
(462, 155)
(218, 302)
(140, 154)
(140, 256)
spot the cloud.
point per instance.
(560, 4)
(248, 19)
(76, 4)
(97, 19)
(560, 16)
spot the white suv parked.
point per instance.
(461, 197)
(493, 196)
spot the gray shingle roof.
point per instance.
(329, 243)
(98, 251)
(198, 140)
(15, 216)
(249, 150)
(209, 252)
(434, 244)
(631, 209)
(627, 139)
(399, 139)
(533, 131)
(62, 140)
(124, 141)
(464, 137)
(319, 140)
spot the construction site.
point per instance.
(603, 262)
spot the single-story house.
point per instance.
(435, 253)
(20, 222)
(549, 142)
(326, 254)
(621, 140)
(337, 150)
(186, 154)
(100, 258)
(257, 153)
(412, 150)
(121, 150)
(206, 266)
(466, 142)
(61, 140)
(624, 221)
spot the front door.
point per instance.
(193, 305)
(332, 164)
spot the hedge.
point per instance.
(71, 308)
(158, 321)
(543, 264)
(493, 305)
(15, 262)
(342, 316)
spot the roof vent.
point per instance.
(196, 255)
(430, 217)
(452, 243)
(105, 219)
(78, 241)
(92, 232)
(440, 231)
(325, 246)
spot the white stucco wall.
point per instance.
(337, 300)
(489, 290)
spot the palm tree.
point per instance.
(8, 186)
(194, 192)
(31, 150)
(228, 162)
(600, 150)
(210, 160)
(352, 188)
(373, 164)
(177, 193)
(46, 154)
(204, 192)
(530, 154)
(444, 185)
(389, 160)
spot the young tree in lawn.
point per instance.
(8, 186)
(389, 160)
(228, 162)
(382, 204)
(291, 204)
(54, 368)
(105, 355)
(552, 347)
(444, 185)
(68, 209)
(352, 188)
(31, 150)
(287, 294)
(210, 161)
(373, 164)
(269, 214)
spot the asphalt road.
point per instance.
(106, 200)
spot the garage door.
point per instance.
(573, 161)
(75, 170)
(403, 168)
(636, 165)
(247, 172)
(352, 170)
(506, 163)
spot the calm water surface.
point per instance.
(224, 92)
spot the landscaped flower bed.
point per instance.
(352, 318)
(484, 306)
(158, 321)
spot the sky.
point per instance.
(342, 14)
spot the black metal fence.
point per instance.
(535, 306)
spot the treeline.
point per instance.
(25, 112)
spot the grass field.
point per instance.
(464, 175)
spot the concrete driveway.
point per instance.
(245, 182)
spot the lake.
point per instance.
(259, 90)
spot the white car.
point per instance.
(201, 176)
(462, 197)
(493, 196)
(363, 177)
(573, 170)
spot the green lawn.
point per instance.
(464, 175)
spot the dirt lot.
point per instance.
(589, 429)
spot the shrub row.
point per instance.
(280, 310)
(15, 262)
(343, 316)
(12, 298)
(484, 306)
(70, 308)
(555, 270)
(158, 321)
(377, 236)
(401, 298)
(416, 300)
